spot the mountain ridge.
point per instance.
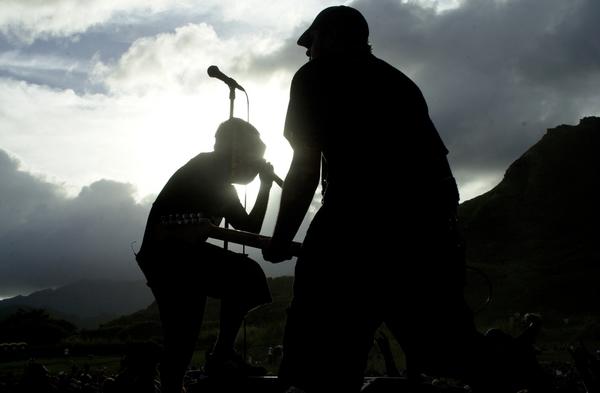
(535, 233)
(86, 303)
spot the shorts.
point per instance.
(204, 270)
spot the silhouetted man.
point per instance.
(182, 269)
(386, 168)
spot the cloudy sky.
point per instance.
(101, 100)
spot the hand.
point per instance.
(276, 252)
(265, 173)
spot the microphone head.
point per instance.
(213, 71)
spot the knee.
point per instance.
(251, 269)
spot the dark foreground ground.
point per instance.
(113, 375)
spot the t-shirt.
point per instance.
(198, 187)
(371, 123)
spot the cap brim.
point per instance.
(305, 39)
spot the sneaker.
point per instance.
(231, 366)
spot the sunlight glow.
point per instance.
(177, 127)
(268, 103)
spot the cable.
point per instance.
(247, 107)
(246, 187)
(246, 210)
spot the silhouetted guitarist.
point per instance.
(182, 269)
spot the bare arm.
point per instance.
(254, 220)
(297, 194)
(257, 215)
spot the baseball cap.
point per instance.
(348, 21)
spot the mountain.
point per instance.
(536, 233)
(86, 303)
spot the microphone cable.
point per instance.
(247, 107)
(246, 195)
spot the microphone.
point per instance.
(214, 72)
(277, 179)
(268, 170)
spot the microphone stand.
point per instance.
(231, 102)
(226, 243)
(232, 86)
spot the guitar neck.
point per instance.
(246, 238)
(195, 227)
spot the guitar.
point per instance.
(195, 227)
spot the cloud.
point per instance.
(178, 61)
(66, 136)
(22, 194)
(496, 74)
(50, 69)
(15, 60)
(27, 20)
(48, 239)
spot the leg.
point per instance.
(329, 331)
(438, 338)
(436, 327)
(242, 286)
(427, 313)
(231, 318)
(181, 318)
